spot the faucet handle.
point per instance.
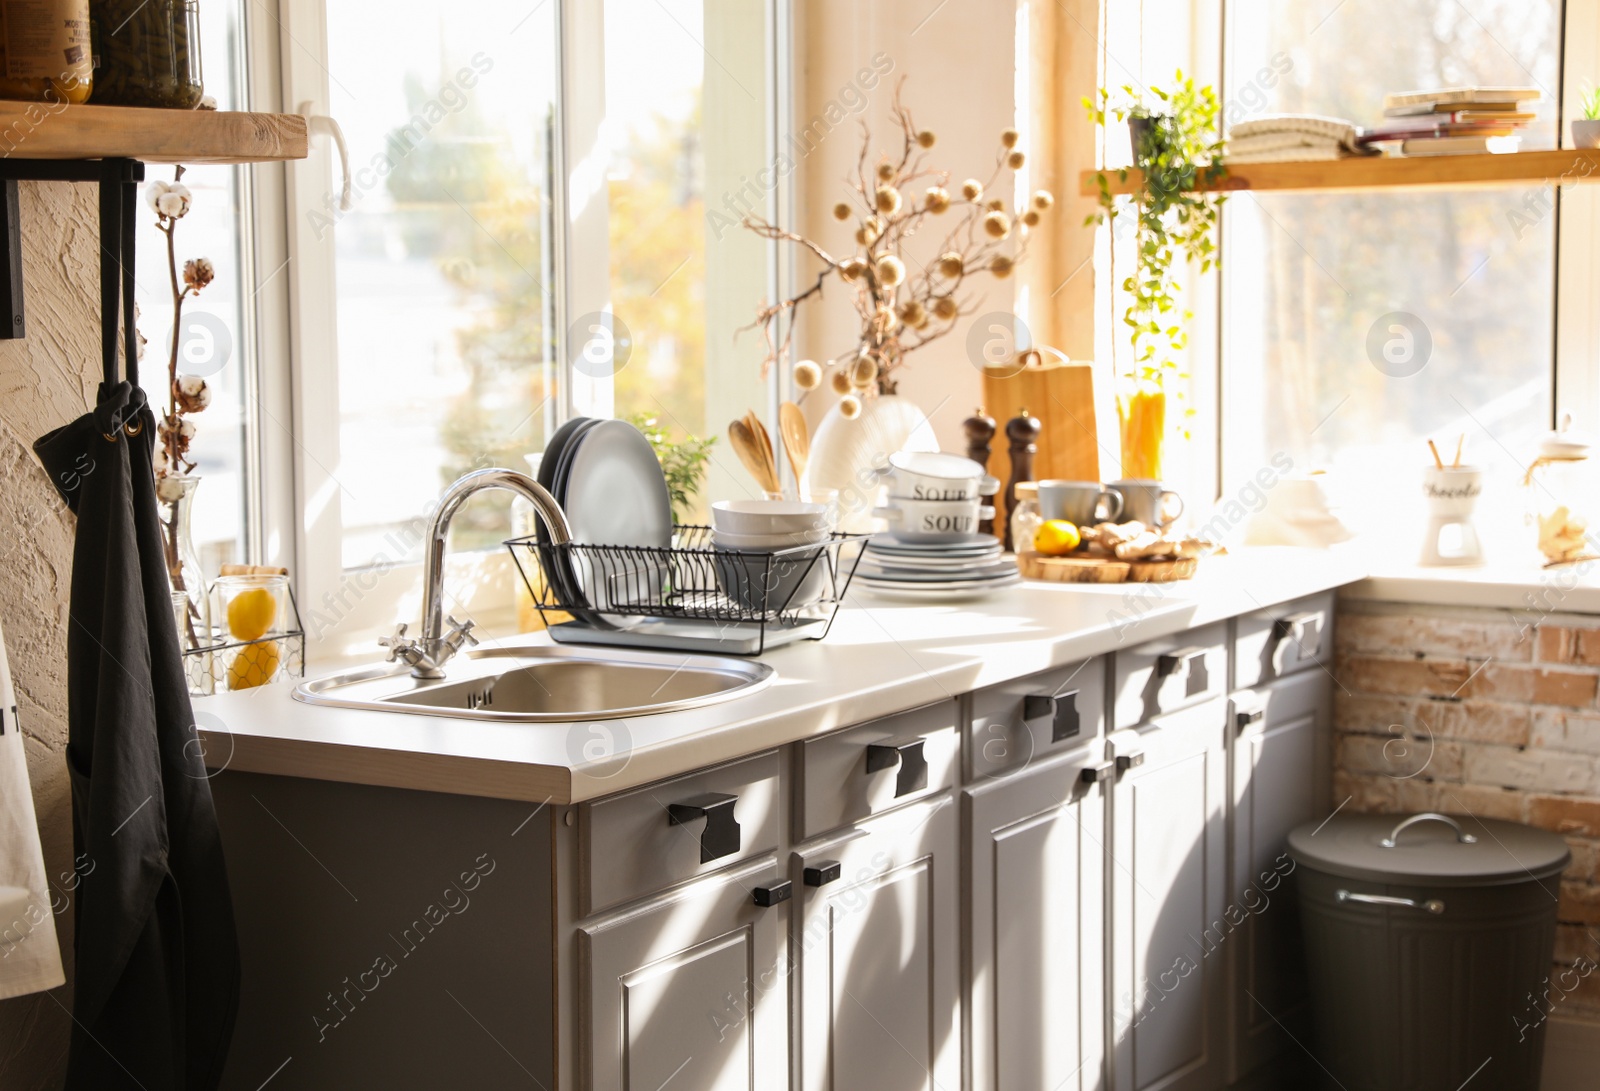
(460, 632)
(397, 644)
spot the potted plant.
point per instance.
(1176, 147)
(1586, 132)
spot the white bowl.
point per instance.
(935, 475)
(767, 516)
(722, 539)
(912, 520)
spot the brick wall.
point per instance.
(1474, 711)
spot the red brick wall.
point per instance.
(1474, 711)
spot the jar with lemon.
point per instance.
(255, 610)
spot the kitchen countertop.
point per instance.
(881, 657)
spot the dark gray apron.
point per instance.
(156, 974)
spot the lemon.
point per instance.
(251, 613)
(1056, 538)
(254, 665)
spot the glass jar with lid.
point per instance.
(1563, 495)
(45, 51)
(147, 53)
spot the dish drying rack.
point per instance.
(676, 597)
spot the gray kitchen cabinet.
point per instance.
(1168, 867)
(1279, 780)
(690, 989)
(1035, 927)
(878, 945)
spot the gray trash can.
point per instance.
(1429, 943)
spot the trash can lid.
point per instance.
(1450, 850)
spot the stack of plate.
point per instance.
(607, 479)
(935, 570)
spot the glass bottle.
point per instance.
(186, 576)
(1563, 487)
(1025, 517)
(147, 53)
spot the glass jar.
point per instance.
(147, 53)
(45, 53)
(1142, 417)
(1563, 494)
(1025, 517)
(253, 611)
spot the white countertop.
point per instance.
(1528, 589)
(881, 657)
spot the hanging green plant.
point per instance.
(1177, 148)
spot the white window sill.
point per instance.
(1525, 588)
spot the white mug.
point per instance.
(935, 475)
(933, 520)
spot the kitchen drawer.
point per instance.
(850, 775)
(1168, 674)
(1016, 723)
(1280, 640)
(654, 837)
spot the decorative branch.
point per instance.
(900, 312)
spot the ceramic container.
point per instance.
(1148, 502)
(934, 475)
(1082, 502)
(767, 517)
(934, 520)
(1586, 134)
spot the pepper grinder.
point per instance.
(980, 429)
(1023, 433)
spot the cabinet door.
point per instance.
(1036, 988)
(690, 989)
(1280, 777)
(878, 943)
(1167, 874)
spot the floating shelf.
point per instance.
(1389, 172)
(36, 130)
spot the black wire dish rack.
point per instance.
(690, 596)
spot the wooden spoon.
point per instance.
(748, 448)
(759, 430)
(796, 438)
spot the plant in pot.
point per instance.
(902, 304)
(1176, 148)
(1586, 131)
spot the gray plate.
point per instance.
(997, 571)
(617, 495)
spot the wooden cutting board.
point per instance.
(1104, 570)
(1061, 395)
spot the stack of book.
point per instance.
(1453, 121)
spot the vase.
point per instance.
(176, 495)
(851, 457)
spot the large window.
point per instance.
(1357, 326)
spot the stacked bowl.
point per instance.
(933, 548)
(771, 554)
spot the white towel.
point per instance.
(29, 958)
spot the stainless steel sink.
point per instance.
(540, 684)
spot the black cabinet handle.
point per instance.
(773, 893)
(1244, 715)
(820, 874)
(1189, 662)
(1305, 630)
(1094, 774)
(908, 755)
(1131, 760)
(1061, 709)
(721, 836)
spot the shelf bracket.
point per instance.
(123, 174)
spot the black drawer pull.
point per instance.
(721, 836)
(1305, 630)
(1189, 662)
(908, 755)
(1246, 714)
(1130, 760)
(1061, 709)
(820, 874)
(1094, 774)
(773, 893)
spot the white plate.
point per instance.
(977, 544)
(930, 564)
(616, 494)
(997, 571)
(935, 592)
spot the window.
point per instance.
(1357, 326)
(529, 238)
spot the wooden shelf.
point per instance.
(1375, 172)
(35, 130)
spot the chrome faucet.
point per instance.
(428, 654)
